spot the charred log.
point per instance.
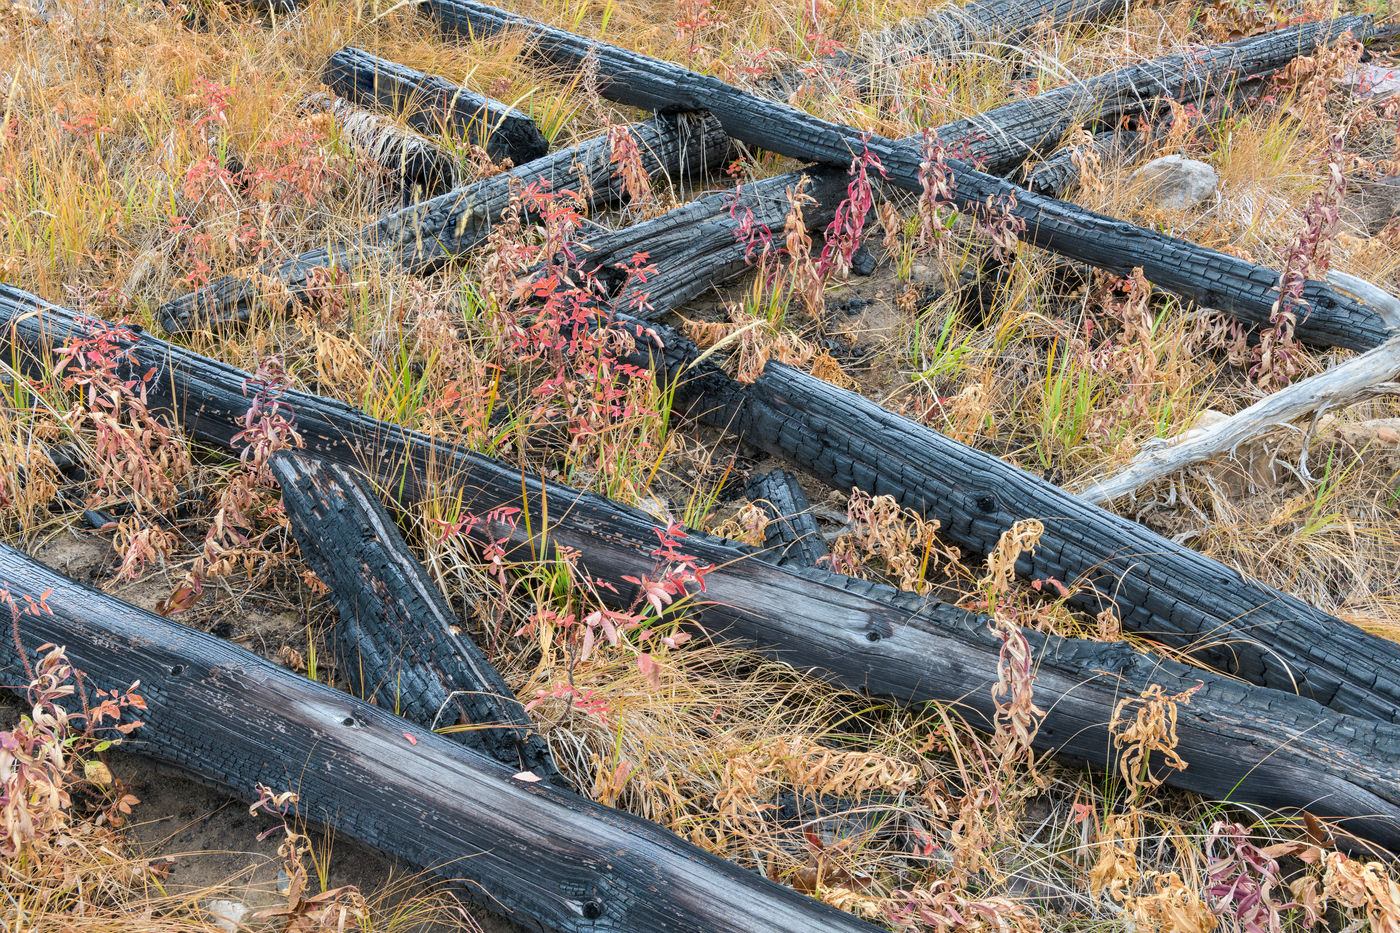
(950, 32)
(1203, 276)
(791, 535)
(1176, 595)
(435, 105)
(415, 168)
(1243, 742)
(550, 859)
(396, 641)
(1060, 173)
(680, 146)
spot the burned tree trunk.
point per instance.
(395, 640)
(951, 31)
(435, 105)
(695, 246)
(791, 535)
(1061, 171)
(1006, 135)
(1265, 746)
(415, 167)
(1174, 594)
(549, 858)
(682, 147)
(1203, 276)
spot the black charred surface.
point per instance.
(1161, 589)
(1243, 742)
(415, 167)
(681, 147)
(395, 640)
(791, 535)
(949, 32)
(435, 105)
(548, 858)
(1203, 276)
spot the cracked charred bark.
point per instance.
(1203, 276)
(415, 167)
(550, 859)
(791, 535)
(435, 105)
(395, 640)
(680, 146)
(1169, 592)
(1265, 746)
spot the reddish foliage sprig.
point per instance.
(843, 236)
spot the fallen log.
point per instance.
(1203, 276)
(1265, 746)
(414, 166)
(1374, 372)
(541, 854)
(1007, 135)
(1173, 594)
(395, 641)
(680, 146)
(947, 33)
(791, 535)
(1060, 172)
(695, 246)
(435, 105)
(1001, 139)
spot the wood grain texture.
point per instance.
(1243, 742)
(435, 105)
(1164, 590)
(548, 858)
(395, 641)
(791, 535)
(952, 31)
(1205, 277)
(681, 147)
(414, 167)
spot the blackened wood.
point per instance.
(550, 859)
(1005, 136)
(1203, 276)
(1161, 589)
(1060, 172)
(395, 641)
(1246, 743)
(414, 166)
(791, 535)
(682, 147)
(949, 32)
(696, 246)
(435, 105)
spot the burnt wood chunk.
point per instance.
(792, 535)
(1244, 742)
(1202, 276)
(435, 105)
(396, 642)
(414, 167)
(1162, 589)
(681, 147)
(550, 859)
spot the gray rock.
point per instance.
(1175, 182)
